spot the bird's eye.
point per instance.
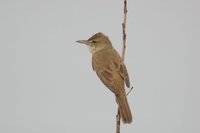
(93, 41)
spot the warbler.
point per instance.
(111, 70)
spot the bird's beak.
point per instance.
(83, 42)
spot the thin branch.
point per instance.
(118, 121)
(129, 91)
(118, 117)
(124, 30)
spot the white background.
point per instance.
(46, 80)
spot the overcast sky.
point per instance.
(47, 84)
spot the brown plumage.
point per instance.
(111, 70)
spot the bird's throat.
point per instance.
(92, 49)
(96, 48)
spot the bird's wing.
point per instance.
(105, 73)
(105, 70)
(121, 67)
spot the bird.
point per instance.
(111, 70)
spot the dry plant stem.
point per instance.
(124, 29)
(118, 122)
(129, 91)
(123, 55)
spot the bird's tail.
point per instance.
(124, 108)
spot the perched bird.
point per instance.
(111, 70)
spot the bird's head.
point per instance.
(97, 42)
